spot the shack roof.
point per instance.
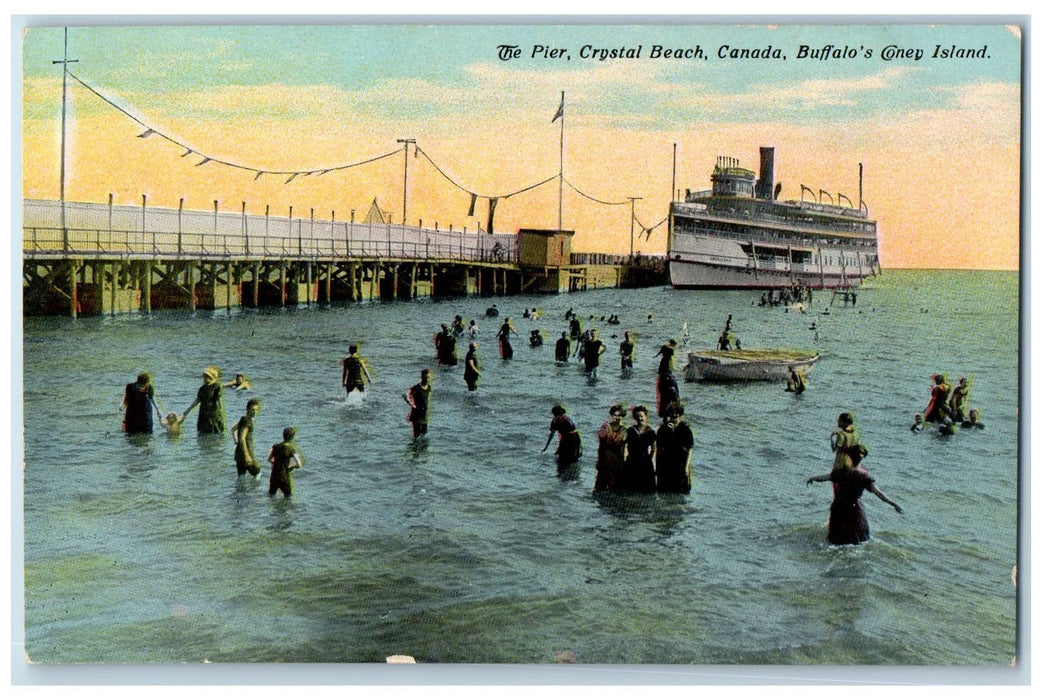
(546, 232)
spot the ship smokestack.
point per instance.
(765, 185)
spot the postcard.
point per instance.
(591, 345)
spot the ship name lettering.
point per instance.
(767, 52)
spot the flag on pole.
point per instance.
(560, 110)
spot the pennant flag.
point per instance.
(259, 173)
(560, 110)
(187, 153)
(491, 212)
(204, 161)
(473, 201)
(146, 133)
(290, 178)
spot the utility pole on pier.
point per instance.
(633, 218)
(405, 179)
(65, 61)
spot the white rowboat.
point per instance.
(747, 365)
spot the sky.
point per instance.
(939, 138)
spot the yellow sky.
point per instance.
(943, 182)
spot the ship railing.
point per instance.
(753, 208)
(811, 243)
(854, 227)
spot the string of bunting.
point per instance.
(647, 230)
(475, 194)
(592, 199)
(293, 174)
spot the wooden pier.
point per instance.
(119, 259)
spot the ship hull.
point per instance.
(686, 274)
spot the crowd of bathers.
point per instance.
(631, 457)
(140, 400)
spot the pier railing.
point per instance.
(101, 230)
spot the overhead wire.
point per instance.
(293, 174)
(150, 130)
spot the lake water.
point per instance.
(469, 548)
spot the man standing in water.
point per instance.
(284, 458)
(356, 371)
(472, 367)
(626, 350)
(563, 348)
(419, 396)
(245, 460)
(593, 348)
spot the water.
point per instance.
(469, 548)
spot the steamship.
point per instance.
(740, 235)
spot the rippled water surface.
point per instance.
(469, 548)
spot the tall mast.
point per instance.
(65, 61)
(560, 172)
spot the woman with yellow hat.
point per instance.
(210, 401)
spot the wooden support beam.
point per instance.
(73, 293)
(256, 283)
(146, 297)
(114, 282)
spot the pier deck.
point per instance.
(108, 260)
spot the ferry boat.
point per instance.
(740, 235)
